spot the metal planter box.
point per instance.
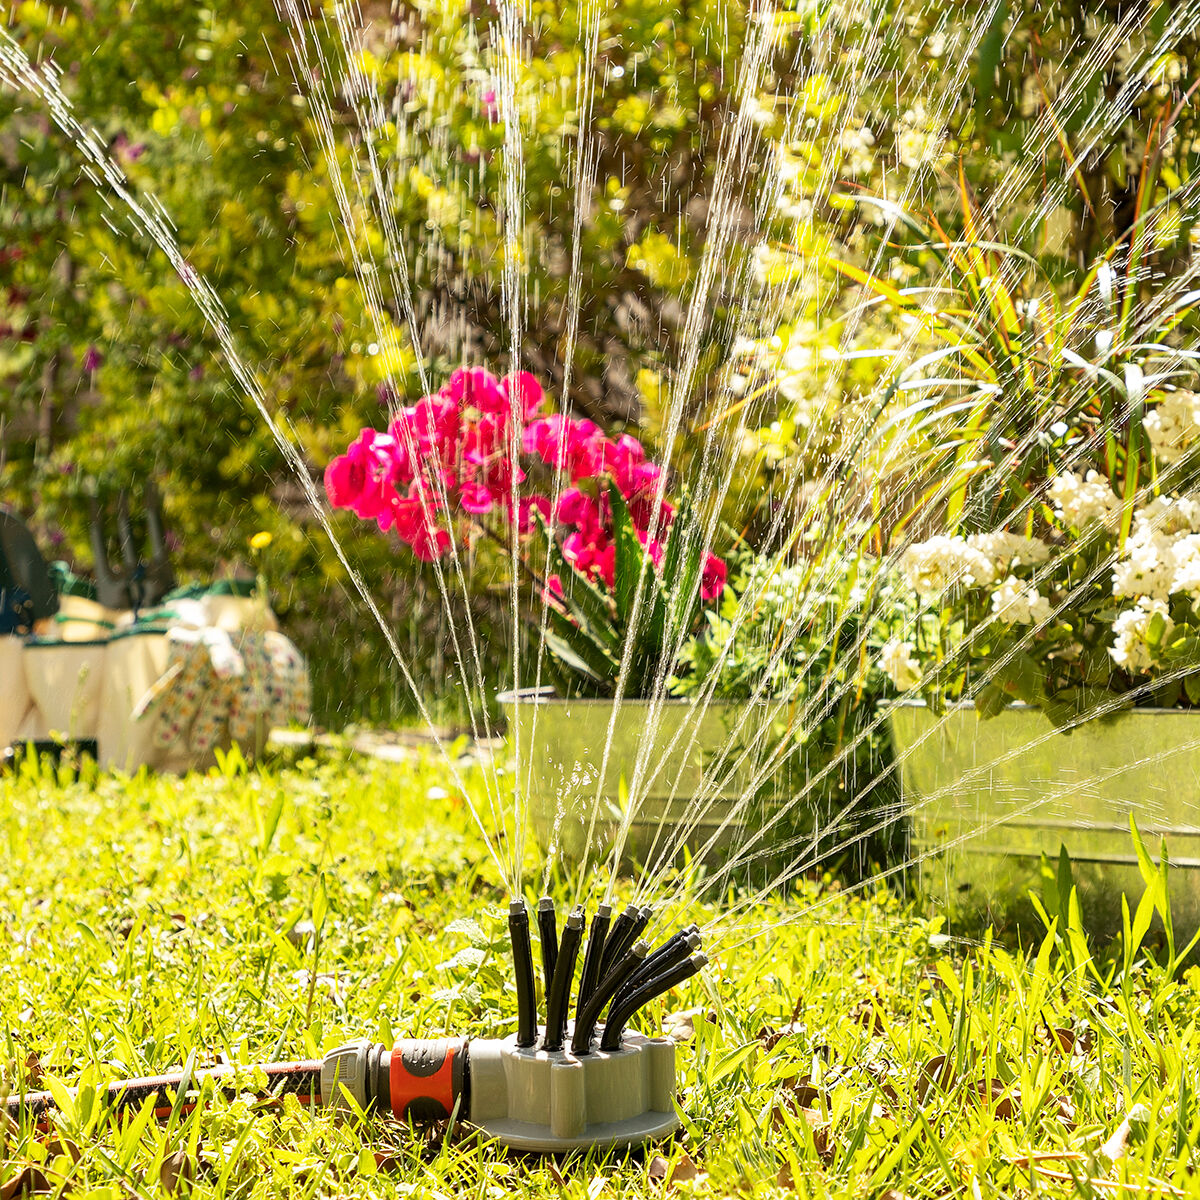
(688, 752)
(987, 798)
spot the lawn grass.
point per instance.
(848, 1049)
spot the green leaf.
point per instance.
(565, 653)
(574, 647)
(992, 700)
(1021, 676)
(1155, 630)
(990, 51)
(588, 606)
(729, 1062)
(632, 560)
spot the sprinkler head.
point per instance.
(612, 1091)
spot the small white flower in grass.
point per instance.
(900, 665)
(1131, 648)
(1083, 502)
(1019, 603)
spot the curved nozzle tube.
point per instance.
(585, 1023)
(518, 929)
(560, 990)
(594, 956)
(620, 938)
(619, 1014)
(548, 934)
(672, 951)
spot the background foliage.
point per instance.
(110, 376)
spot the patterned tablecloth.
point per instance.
(221, 687)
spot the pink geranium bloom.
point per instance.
(477, 498)
(626, 456)
(473, 387)
(652, 546)
(587, 450)
(435, 423)
(526, 391)
(606, 564)
(345, 478)
(527, 506)
(431, 544)
(553, 589)
(581, 551)
(482, 439)
(712, 582)
(576, 507)
(548, 438)
(642, 509)
(361, 479)
(406, 515)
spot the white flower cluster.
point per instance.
(975, 561)
(1019, 603)
(1007, 550)
(1084, 502)
(1162, 553)
(1173, 425)
(855, 145)
(900, 665)
(918, 140)
(1131, 648)
(933, 566)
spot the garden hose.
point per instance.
(609, 1089)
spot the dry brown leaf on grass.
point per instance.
(28, 1181)
(801, 1086)
(814, 1119)
(937, 1072)
(684, 1171)
(63, 1146)
(770, 1038)
(681, 1025)
(1068, 1041)
(176, 1169)
(868, 1014)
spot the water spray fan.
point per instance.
(553, 1087)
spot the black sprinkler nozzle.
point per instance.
(548, 933)
(558, 1004)
(619, 1014)
(585, 1023)
(518, 928)
(623, 934)
(673, 950)
(594, 956)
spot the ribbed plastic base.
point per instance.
(553, 1101)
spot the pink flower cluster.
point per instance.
(457, 456)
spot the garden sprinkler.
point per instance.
(531, 1091)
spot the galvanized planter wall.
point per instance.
(687, 752)
(988, 797)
